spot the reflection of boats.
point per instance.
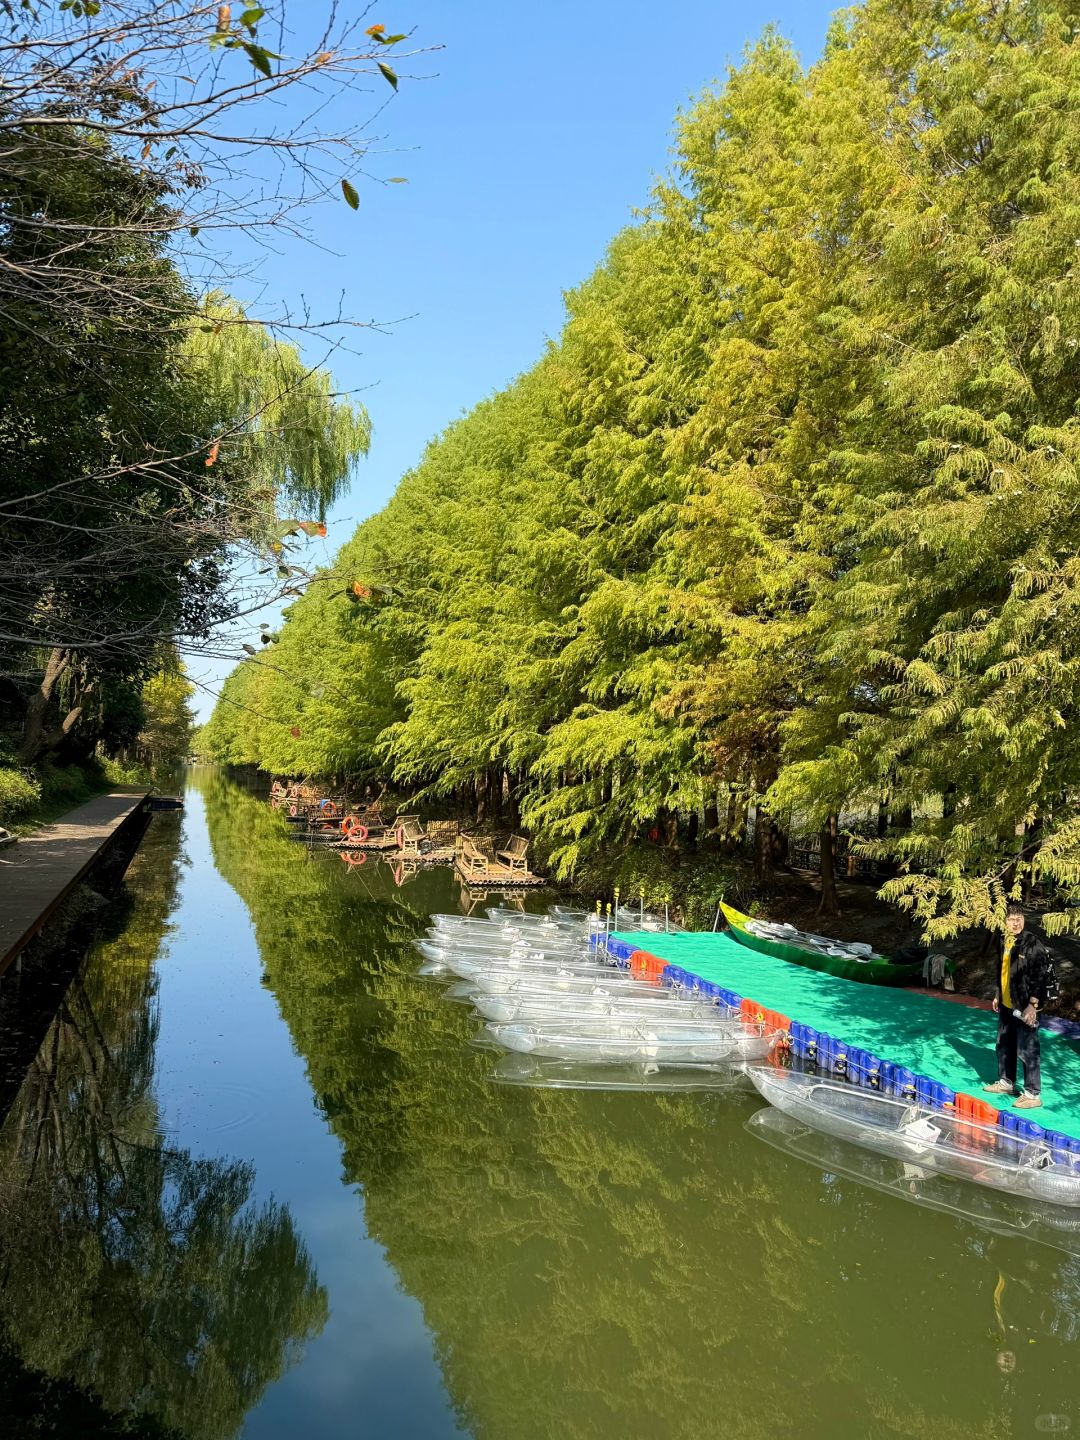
(1003, 1214)
(641, 1075)
(849, 961)
(936, 1140)
(693, 1043)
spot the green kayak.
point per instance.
(800, 949)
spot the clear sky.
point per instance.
(527, 141)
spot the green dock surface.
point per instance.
(950, 1043)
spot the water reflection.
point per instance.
(586, 1265)
(593, 1266)
(132, 1271)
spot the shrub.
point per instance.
(19, 794)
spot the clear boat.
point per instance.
(546, 1006)
(664, 1043)
(993, 1210)
(645, 1076)
(602, 980)
(936, 1140)
(469, 968)
(437, 949)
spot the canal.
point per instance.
(254, 1182)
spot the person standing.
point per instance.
(1024, 976)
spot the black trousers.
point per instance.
(1017, 1041)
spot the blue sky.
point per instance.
(527, 141)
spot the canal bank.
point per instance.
(41, 871)
(256, 1183)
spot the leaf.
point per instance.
(213, 454)
(260, 58)
(250, 649)
(251, 17)
(375, 30)
(351, 197)
(193, 230)
(390, 39)
(295, 732)
(388, 74)
(320, 530)
(265, 639)
(398, 180)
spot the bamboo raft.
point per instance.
(332, 821)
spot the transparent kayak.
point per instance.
(602, 980)
(544, 1007)
(469, 968)
(993, 1210)
(473, 924)
(435, 949)
(695, 1045)
(646, 1075)
(936, 1140)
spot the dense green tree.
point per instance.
(784, 518)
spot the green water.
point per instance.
(253, 1181)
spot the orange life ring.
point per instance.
(294, 809)
(353, 858)
(328, 809)
(399, 836)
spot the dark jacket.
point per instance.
(1029, 970)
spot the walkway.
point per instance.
(40, 871)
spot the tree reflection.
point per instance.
(132, 1269)
(594, 1265)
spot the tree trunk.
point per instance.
(762, 848)
(36, 741)
(829, 903)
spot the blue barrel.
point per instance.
(924, 1091)
(905, 1082)
(840, 1057)
(888, 1077)
(1059, 1147)
(873, 1070)
(795, 1037)
(811, 1040)
(943, 1097)
(1030, 1131)
(1009, 1125)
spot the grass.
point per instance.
(32, 798)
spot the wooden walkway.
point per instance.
(39, 872)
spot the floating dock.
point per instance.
(904, 1043)
(39, 873)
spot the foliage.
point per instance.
(19, 794)
(785, 517)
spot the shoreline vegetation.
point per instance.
(782, 525)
